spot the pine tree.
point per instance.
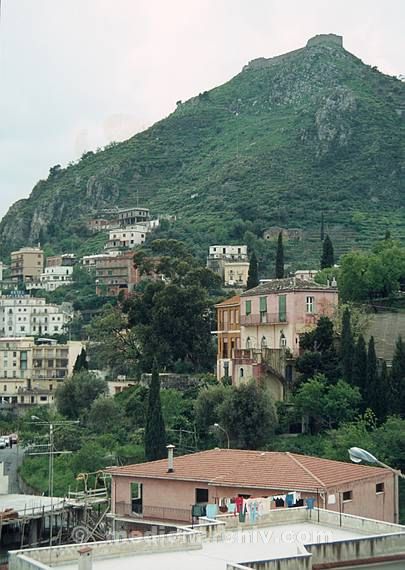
(346, 346)
(81, 362)
(359, 372)
(397, 396)
(155, 432)
(280, 257)
(372, 381)
(322, 228)
(328, 257)
(253, 275)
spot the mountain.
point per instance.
(289, 138)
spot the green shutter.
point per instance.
(263, 304)
(282, 308)
(248, 307)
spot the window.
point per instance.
(263, 342)
(283, 340)
(310, 305)
(248, 343)
(379, 488)
(263, 309)
(282, 308)
(5, 388)
(201, 495)
(248, 307)
(241, 373)
(347, 496)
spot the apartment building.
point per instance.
(132, 216)
(27, 264)
(21, 315)
(127, 237)
(115, 274)
(230, 262)
(56, 276)
(63, 260)
(30, 371)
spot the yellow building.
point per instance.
(27, 264)
(228, 334)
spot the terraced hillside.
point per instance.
(312, 131)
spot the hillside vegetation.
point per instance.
(313, 131)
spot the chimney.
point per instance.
(85, 558)
(170, 450)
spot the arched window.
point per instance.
(248, 343)
(263, 342)
(241, 372)
(283, 340)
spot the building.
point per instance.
(306, 274)
(288, 234)
(31, 371)
(21, 315)
(230, 262)
(275, 313)
(27, 264)
(89, 262)
(169, 489)
(56, 276)
(63, 260)
(132, 216)
(228, 334)
(127, 237)
(115, 274)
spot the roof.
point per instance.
(254, 469)
(288, 284)
(235, 300)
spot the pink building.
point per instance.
(273, 315)
(167, 491)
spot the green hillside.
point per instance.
(312, 131)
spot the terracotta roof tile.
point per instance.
(235, 300)
(288, 284)
(265, 470)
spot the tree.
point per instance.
(382, 395)
(327, 258)
(372, 381)
(280, 257)
(327, 405)
(207, 407)
(359, 372)
(249, 416)
(346, 346)
(81, 362)
(397, 396)
(320, 354)
(253, 275)
(105, 416)
(155, 431)
(76, 394)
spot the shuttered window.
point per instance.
(282, 308)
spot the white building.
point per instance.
(230, 262)
(91, 261)
(228, 252)
(56, 276)
(21, 315)
(128, 237)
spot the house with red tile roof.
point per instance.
(167, 492)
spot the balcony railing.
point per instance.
(154, 513)
(263, 319)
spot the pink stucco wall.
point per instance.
(160, 494)
(297, 322)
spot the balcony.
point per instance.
(228, 327)
(263, 319)
(152, 513)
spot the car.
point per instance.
(3, 443)
(13, 438)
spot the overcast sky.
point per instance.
(77, 74)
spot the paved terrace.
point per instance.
(293, 539)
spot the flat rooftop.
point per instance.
(29, 504)
(242, 545)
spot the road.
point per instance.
(11, 458)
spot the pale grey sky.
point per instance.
(77, 74)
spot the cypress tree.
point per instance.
(359, 372)
(346, 346)
(280, 257)
(81, 362)
(397, 396)
(253, 275)
(155, 432)
(322, 228)
(328, 257)
(372, 381)
(383, 393)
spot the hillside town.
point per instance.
(202, 305)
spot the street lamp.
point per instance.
(217, 426)
(357, 455)
(51, 425)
